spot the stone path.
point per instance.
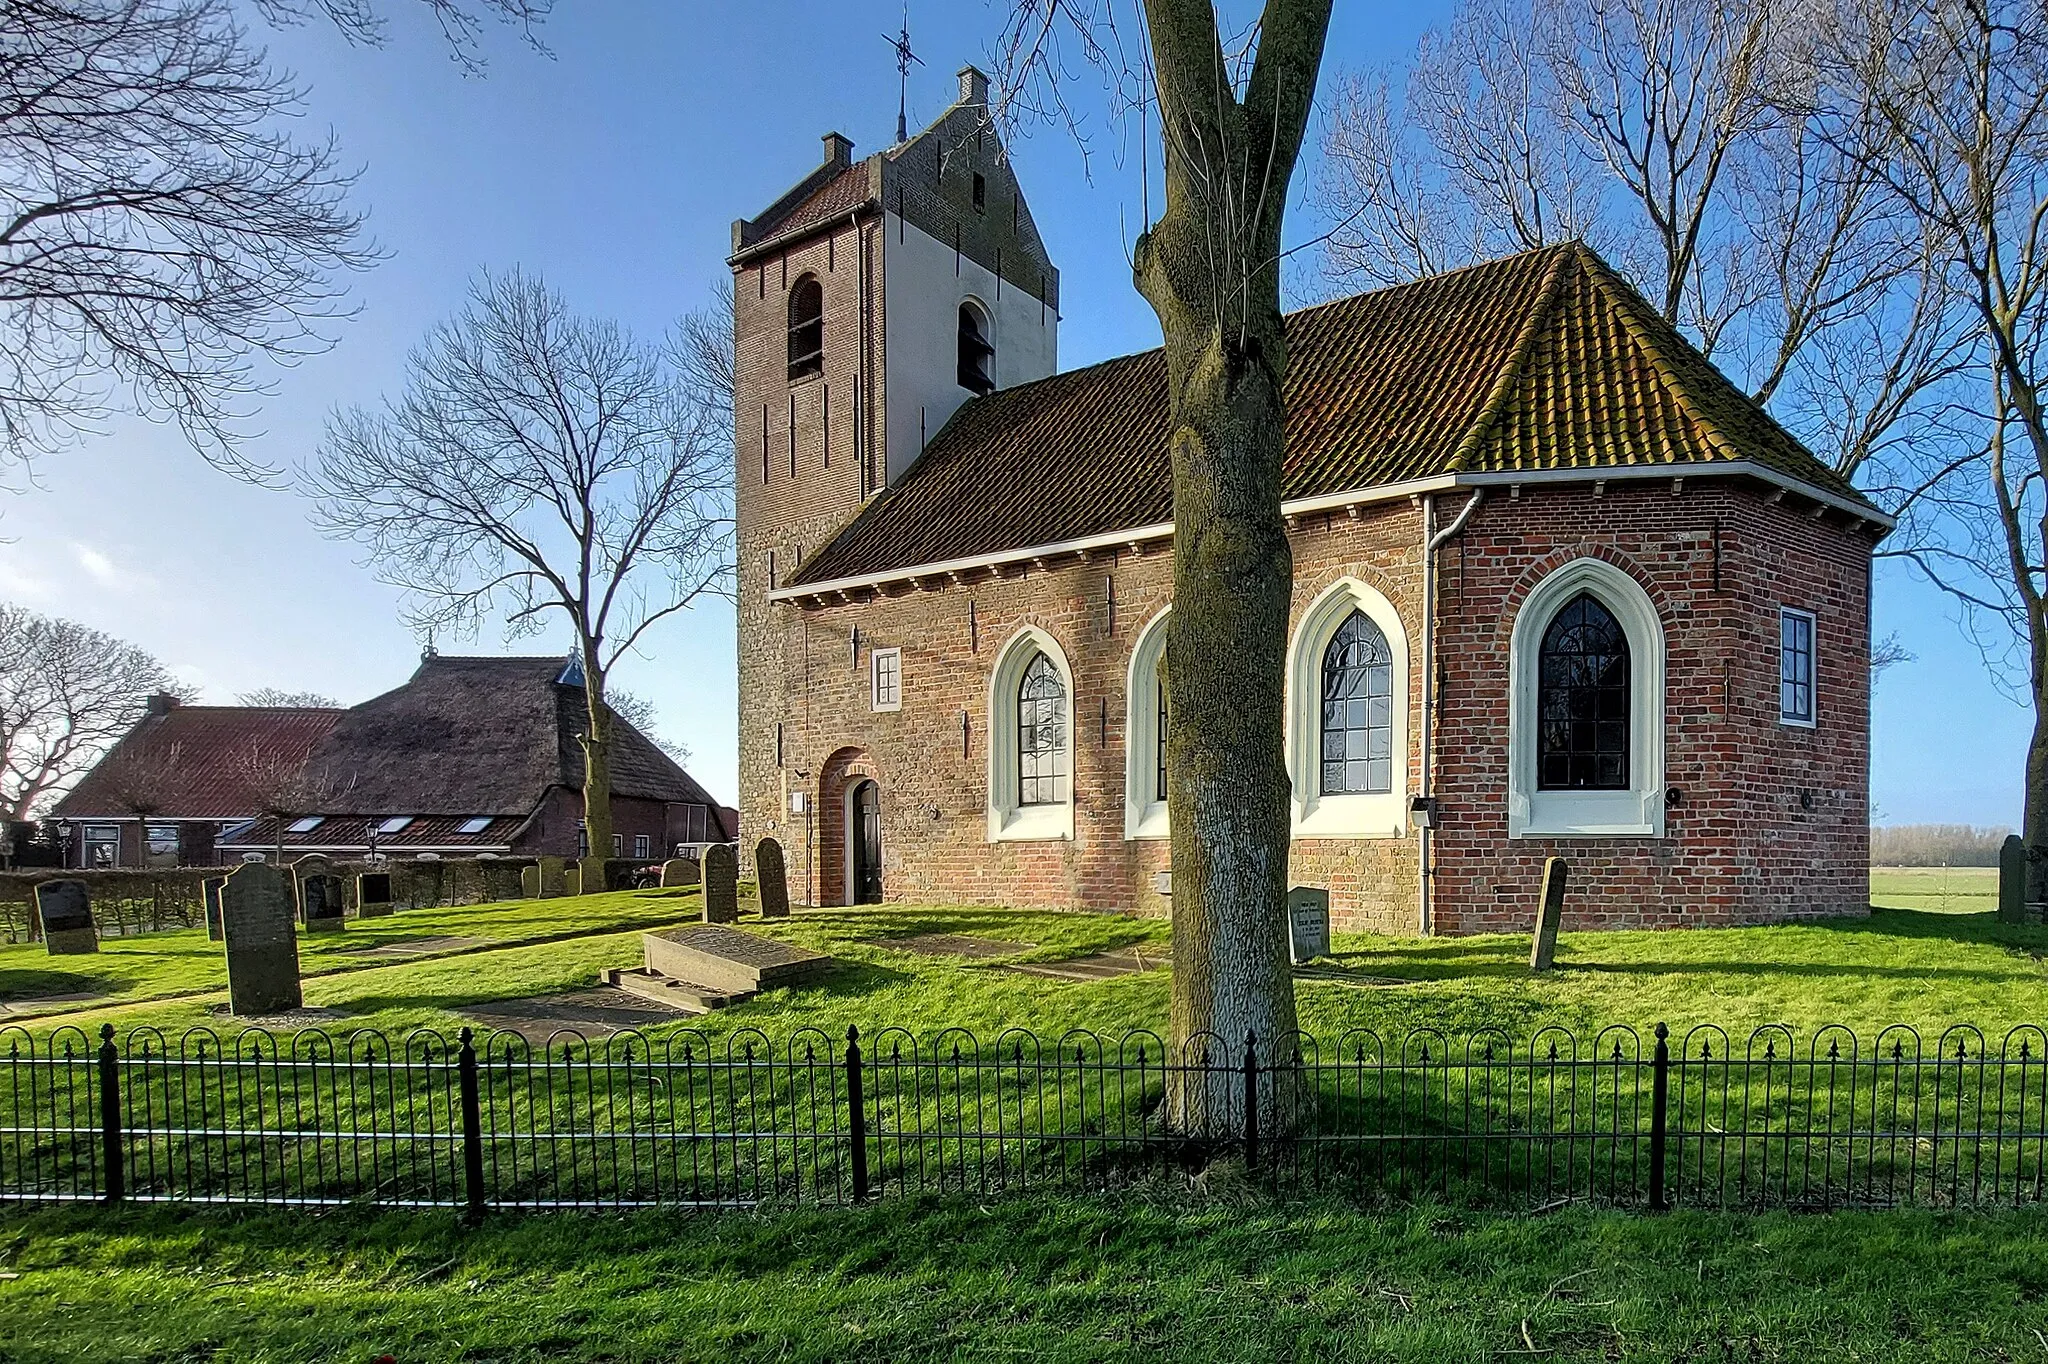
(418, 947)
(17, 1008)
(953, 945)
(1122, 961)
(598, 1012)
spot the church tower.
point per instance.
(869, 302)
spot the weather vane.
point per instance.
(904, 58)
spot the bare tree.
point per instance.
(1962, 87)
(638, 712)
(158, 232)
(1693, 143)
(1231, 119)
(538, 462)
(67, 694)
(285, 784)
(462, 21)
(276, 698)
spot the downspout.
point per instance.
(1433, 540)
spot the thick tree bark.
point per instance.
(597, 759)
(1210, 269)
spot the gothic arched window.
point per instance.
(976, 350)
(806, 328)
(1041, 734)
(1358, 722)
(1583, 700)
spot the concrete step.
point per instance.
(687, 996)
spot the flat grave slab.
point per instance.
(731, 959)
(1121, 961)
(954, 945)
(17, 1008)
(598, 1012)
(418, 947)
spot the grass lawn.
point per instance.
(1931, 955)
(1140, 1278)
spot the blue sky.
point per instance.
(615, 168)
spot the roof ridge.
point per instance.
(1510, 377)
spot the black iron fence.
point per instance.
(431, 1120)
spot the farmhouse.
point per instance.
(1561, 588)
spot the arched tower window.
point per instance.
(1041, 734)
(1145, 734)
(976, 350)
(806, 328)
(1358, 724)
(1583, 700)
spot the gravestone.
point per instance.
(65, 908)
(1543, 952)
(773, 877)
(209, 892)
(572, 880)
(262, 945)
(529, 883)
(553, 877)
(1308, 924)
(678, 871)
(721, 885)
(2012, 880)
(373, 894)
(319, 893)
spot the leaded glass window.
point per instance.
(1795, 667)
(1041, 734)
(1582, 704)
(1358, 725)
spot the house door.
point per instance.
(864, 838)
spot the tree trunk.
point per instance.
(597, 761)
(1210, 269)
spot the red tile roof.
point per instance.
(1544, 360)
(343, 831)
(194, 762)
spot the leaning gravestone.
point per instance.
(553, 877)
(773, 877)
(678, 871)
(2012, 880)
(66, 912)
(529, 883)
(373, 894)
(1308, 924)
(320, 894)
(209, 892)
(262, 945)
(572, 880)
(721, 885)
(1543, 952)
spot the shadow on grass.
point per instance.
(22, 986)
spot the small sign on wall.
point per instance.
(1308, 924)
(798, 802)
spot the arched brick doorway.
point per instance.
(850, 825)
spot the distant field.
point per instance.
(1945, 890)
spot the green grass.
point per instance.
(1143, 1277)
(1931, 955)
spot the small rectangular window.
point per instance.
(162, 844)
(306, 825)
(102, 845)
(887, 665)
(618, 845)
(475, 825)
(1795, 667)
(643, 845)
(395, 824)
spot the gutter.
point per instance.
(1425, 801)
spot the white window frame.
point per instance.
(1144, 814)
(475, 824)
(643, 845)
(393, 824)
(1637, 812)
(875, 657)
(1008, 821)
(1375, 814)
(305, 824)
(1811, 720)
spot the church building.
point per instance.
(1561, 589)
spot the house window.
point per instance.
(1145, 734)
(976, 350)
(887, 668)
(102, 845)
(1358, 728)
(806, 328)
(476, 824)
(395, 824)
(1586, 708)
(643, 844)
(618, 845)
(1795, 667)
(306, 825)
(1041, 734)
(1347, 715)
(161, 840)
(1031, 741)
(1582, 700)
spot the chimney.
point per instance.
(973, 86)
(838, 150)
(160, 703)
